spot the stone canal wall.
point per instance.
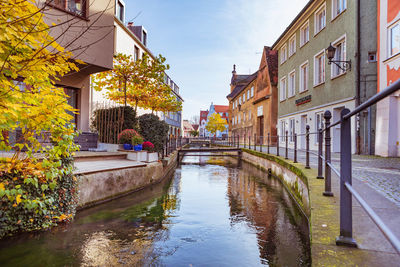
(97, 187)
(291, 176)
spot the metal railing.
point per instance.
(324, 162)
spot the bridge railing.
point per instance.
(278, 145)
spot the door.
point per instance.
(260, 128)
(303, 123)
(336, 130)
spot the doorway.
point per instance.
(303, 123)
(336, 130)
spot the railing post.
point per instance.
(249, 142)
(295, 148)
(327, 117)
(286, 145)
(319, 176)
(307, 147)
(346, 219)
(244, 141)
(268, 143)
(277, 145)
(255, 141)
(238, 141)
(261, 142)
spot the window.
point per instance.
(144, 38)
(244, 116)
(248, 94)
(292, 84)
(304, 33)
(338, 6)
(240, 100)
(282, 89)
(291, 130)
(292, 45)
(394, 39)
(120, 8)
(319, 124)
(283, 53)
(244, 98)
(239, 118)
(319, 68)
(340, 55)
(77, 7)
(249, 114)
(320, 19)
(136, 53)
(252, 91)
(303, 77)
(283, 130)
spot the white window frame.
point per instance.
(321, 120)
(282, 91)
(252, 91)
(322, 55)
(302, 28)
(343, 4)
(335, 70)
(301, 81)
(389, 34)
(322, 8)
(292, 45)
(283, 53)
(292, 84)
(292, 129)
(282, 130)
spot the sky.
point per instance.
(202, 39)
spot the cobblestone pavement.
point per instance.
(381, 174)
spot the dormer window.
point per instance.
(120, 10)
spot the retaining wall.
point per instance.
(95, 188)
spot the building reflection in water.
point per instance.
(277, 226)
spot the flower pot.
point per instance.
(127, 146)
(137, 147)
(152, 156)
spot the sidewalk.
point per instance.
(377, 180)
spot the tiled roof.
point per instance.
(241, 84)
(272, 63)
(221, 108)
(204, 113)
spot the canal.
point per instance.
(210, 212)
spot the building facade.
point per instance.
(222, 110)
(132, 40)
(87, 31)
(388, 110)
(202, 122)
(308, 85)
(253, 100)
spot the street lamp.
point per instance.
(331, 54)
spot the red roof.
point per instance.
(203, 113)
(221, 108)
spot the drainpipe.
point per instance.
(358, 75)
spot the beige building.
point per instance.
(87, 31)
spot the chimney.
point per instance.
(233, 79)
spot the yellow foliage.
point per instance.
(216, 123)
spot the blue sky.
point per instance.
(202, 39)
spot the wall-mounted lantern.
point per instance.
(330, 51)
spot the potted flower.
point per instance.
(137, 141)
(151, 154)
(125, 138)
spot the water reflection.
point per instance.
(206, 215)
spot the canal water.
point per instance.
(209, 213)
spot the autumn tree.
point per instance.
(138, 83)
(34, 193)
(215, 123)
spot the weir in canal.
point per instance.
(210, 212)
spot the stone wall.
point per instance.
(98, 187)
(291, 176)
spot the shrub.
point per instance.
(148, 146)
(137, 140)
(125, 137)
(106, 122)
(154, 130)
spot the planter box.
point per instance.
(152, 156)
(109, 147)
(137, 155)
